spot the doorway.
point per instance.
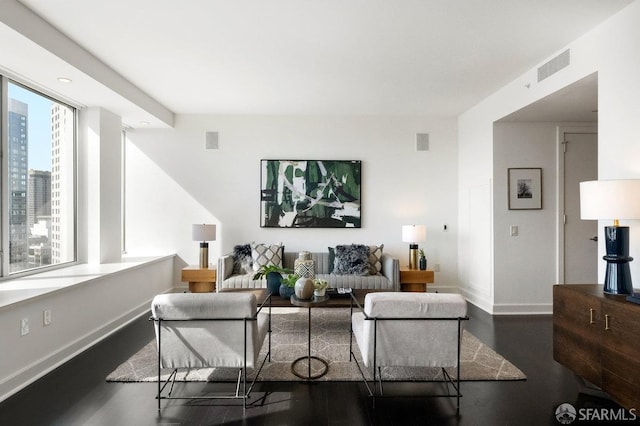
(578, 156)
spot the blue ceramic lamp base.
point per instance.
(617, 278)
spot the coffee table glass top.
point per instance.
(305, 303)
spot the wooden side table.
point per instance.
(200, 280)
(415, 280)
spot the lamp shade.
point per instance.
(414, 233)
(202, 232)
(610, 199)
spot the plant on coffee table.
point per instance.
(287, 288)
(320, 287)
(273, 274)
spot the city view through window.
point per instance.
(40, 175)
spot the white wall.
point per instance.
(399, 185)
(88, 301)
(81, 315)
(525, 266)
(611, 50)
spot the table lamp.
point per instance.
(613, 199)
(413, 234)
(203, 233)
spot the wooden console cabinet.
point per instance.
(597, 336)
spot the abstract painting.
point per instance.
(310, 194)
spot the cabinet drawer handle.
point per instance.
(591, 321)
(606, 322)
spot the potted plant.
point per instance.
(273, 273)
(287, 288)
(423, 260)
(319, 287)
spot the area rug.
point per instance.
(329, 340)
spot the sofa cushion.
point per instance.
(243, 263)
(332, 258)
(375, 259)
(351, 260)
(264, 255)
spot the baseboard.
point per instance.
(507, 308)
(24, 377)
(476, 300)
(523, 309)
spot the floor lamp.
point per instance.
(413, 234)
(613, 200)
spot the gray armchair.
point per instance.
(409, 330)
(200, 330)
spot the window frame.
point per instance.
(5, 270)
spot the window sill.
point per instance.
(31, 287)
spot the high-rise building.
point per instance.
(18, 163)
(62, 201)
(38, 196)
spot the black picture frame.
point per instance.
(525, 188)
(310, 193)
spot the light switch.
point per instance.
(513, 230)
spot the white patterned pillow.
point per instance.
(375, 259)
(264, 255)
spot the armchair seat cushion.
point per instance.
(208, 329)
(413, 342)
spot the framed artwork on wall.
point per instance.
(525, 188)
(310, 193)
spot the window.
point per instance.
(39, 167)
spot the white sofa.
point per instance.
(388, 279)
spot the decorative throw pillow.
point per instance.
(263, 255)
(375, 259)
(351, 260)
(243, 264)
(332, 259)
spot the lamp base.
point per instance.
(413, 256)
(204, 255)
(617, 279)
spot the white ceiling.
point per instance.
(387, 57)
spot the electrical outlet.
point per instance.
(436, 267)
(46, 317)
(24, 326)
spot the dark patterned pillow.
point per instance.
(351, 260)
(332, 259)
(243, 263)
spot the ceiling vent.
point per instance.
(553, 66)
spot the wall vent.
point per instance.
(554, 65)
(422, 141)
(211, 140)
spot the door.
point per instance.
(580, 236)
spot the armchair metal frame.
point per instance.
(377, 378)
(242, 372)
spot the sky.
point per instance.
(38, 126)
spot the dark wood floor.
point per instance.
(77, 393)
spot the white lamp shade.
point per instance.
(414, 233)
(202, 232)
(610, 199)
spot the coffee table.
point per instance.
(278, 302)
(309, 303)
